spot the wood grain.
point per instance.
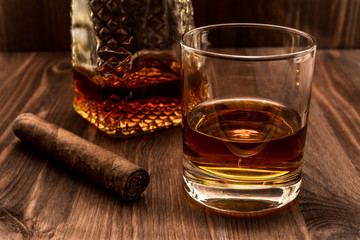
(42, 25)
(34, 25)
(334, 23)
(41, 199)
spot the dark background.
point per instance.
(44, 25)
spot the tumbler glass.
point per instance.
(245, 102)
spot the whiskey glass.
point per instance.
(245, 101)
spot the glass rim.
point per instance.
(282, 56)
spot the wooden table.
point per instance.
(41, 199)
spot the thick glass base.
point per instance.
(239, 196)
(127, 112)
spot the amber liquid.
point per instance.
(245, 140)
(147, 100)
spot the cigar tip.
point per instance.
(19, 119)
(136, 184)
(23, 116)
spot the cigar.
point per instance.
(98, 164)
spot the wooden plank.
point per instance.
(45, 25)
(34, 25)
(41, 199)
(334, 23)
(330, 197)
